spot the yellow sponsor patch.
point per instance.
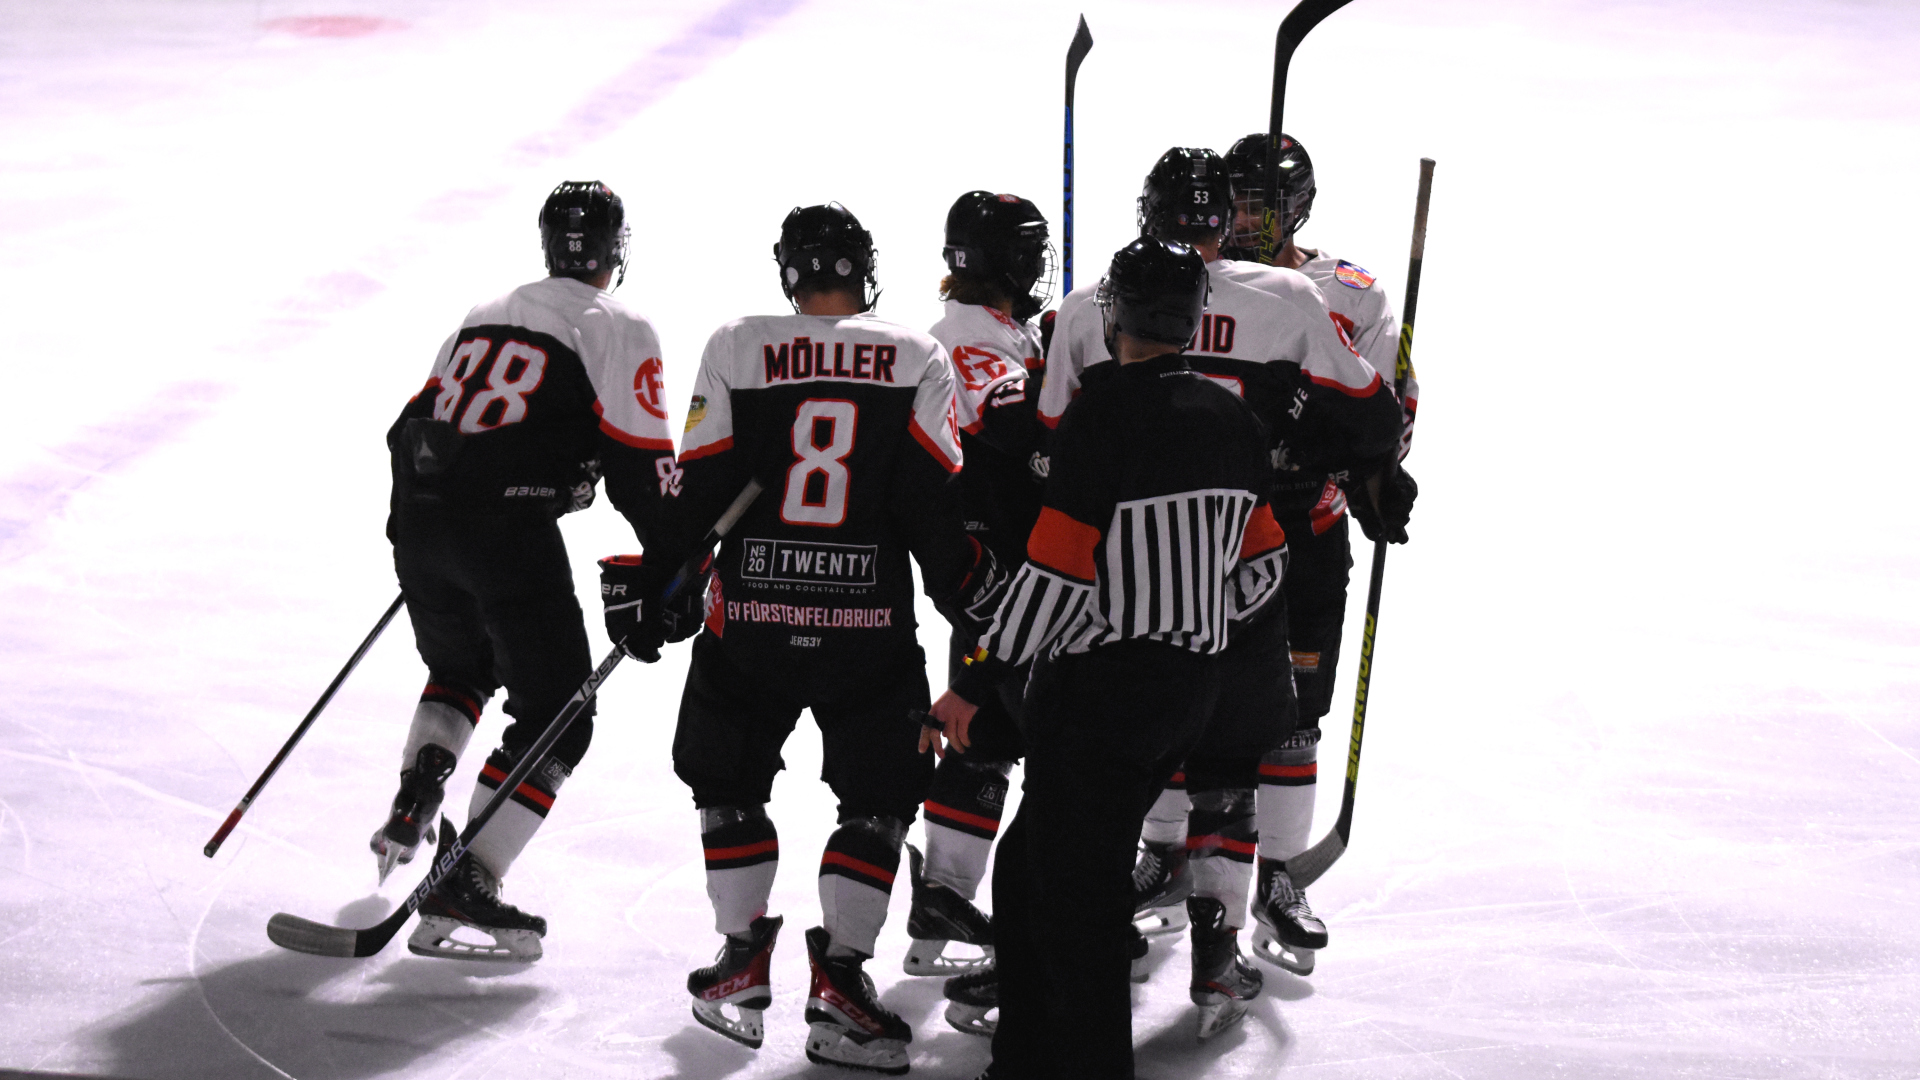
(696, 412)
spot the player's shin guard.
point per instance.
(856, 878)
(742, 851)
(963, 816)
(1167, 822)
(446, 716)
(1287, 934)
(1220, 847)
(514, 824)
(1287, 787)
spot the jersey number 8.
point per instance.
(817, 483)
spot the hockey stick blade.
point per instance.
(1306, 867)
(319, 939)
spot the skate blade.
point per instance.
(972, 1019)
(1217, 1018)
(1285, 957)
(830, 1044)
(1139, 972)
(1162, 920)
(927, 956)
(434, 937)
(749, 1029)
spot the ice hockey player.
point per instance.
(534, 396)
(848, 421)
(1268, 337)
(1151, 467)
(1000, 275)
(1287, 933)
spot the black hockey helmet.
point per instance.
(583, 230)
(1155, 290)
(1247, 165)
(824, 247)
(1001, 240)
(1187, 197)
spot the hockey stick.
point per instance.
(1076, 52)
(226, 827)
(1307, 866)
(1305, 15)
(307, 936)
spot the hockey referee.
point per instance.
(1154, 538)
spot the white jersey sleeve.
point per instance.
(987, 350)
(1079, 341)
(621, 353)
(709, 427)
(1360, 302)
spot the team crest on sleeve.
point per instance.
(1353, 277)
(648, 389)
(696, 412)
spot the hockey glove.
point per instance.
(688, 609)
(971, 605)
(630, 594)
(580, 488)
(1383, 508)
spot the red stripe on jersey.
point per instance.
(704, 451)
(976, 820)
(1064, 545)
(1178, 778)
(939, 452)
(1204, 843)
(1311, 768)
(432, 384)
(838, 858)
(630, 439)
(1263, 534)
(759, 847)
(1368, 390)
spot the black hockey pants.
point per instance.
(1105, 730)
(492, 605)
(1316, 594)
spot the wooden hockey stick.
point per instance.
(1076, 52)
(320, 939)
(1307, 866)
(1305, 15)
(226, 827)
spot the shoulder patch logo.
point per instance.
(1353, 277)
(648, 389)
(696, 412)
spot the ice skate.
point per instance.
(938, 916)
(410, 823)
(1286, 931)
(738, 977)
(849, 1025)
(1160, 882)
(468, 899)
(1223, 981)
(970, 997)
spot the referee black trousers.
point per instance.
(1105, 730)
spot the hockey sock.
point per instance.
(743, 851)
(856, 879)
(1167, 822)
(1287, 788)
(963, 816)
(507, 833)
(1220, 847)
(446, 716)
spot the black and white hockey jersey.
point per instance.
(1155, 525)
(1267, 336)
(998, 365)
(849, 424)
(1362, 308)
(536, 391)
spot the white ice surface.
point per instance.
(1639, 796)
